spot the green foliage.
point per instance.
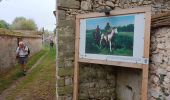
(127, 28)
(4, 24)
(123, 40)
(21, 23)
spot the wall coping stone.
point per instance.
(6, 32)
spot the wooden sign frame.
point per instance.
(144, 67)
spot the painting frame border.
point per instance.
(143, 67)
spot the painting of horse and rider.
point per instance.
(110, 35)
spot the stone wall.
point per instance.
(97, 82)
(7, 53)
(126, 82)
(8, 50)
(159, 76)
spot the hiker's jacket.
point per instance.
(22, 52)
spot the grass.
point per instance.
(8, 78)
(40, 83)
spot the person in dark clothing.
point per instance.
(51, 44)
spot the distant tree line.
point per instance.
(4, 24)
(126, 28)
(19, 23)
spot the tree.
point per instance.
(21, 23)
(4, 24)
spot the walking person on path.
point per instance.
(22, 53)
(51, 43)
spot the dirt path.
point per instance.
(8, 91)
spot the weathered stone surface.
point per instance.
(128, 83)
(65, 90)
(60, 82)
(69, 98)
(66, 23)
(97, 82)
(68, 80)
(65, 72)
(61, 14)
(161, 68)
(161, 71)
(61, 97)
(86, 5)
(69, 4)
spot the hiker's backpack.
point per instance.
(28, 51)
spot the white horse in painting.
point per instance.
(108, 37)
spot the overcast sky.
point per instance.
(41, 11)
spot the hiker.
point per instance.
(22, 53)
(51, 44)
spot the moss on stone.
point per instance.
(65, 90)
(60, 82)
(9, 32)
(65, 72)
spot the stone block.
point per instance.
(155, 94)
(86, 5)
(61, 97)
(60, 82)
(69, 4)
(169, 61)
(66, 32)
(109, 3)
(68, 80)
(161, 71)
(167, 98)
(65, 90)
(69, 63)
(66, 23)
(82, 97)
(168, 75)
(66, 55)
(69, 97)
(61, 15)
(65, 72)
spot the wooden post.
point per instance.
(144, 82)
(76, 64)
(146, 55)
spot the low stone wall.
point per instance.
(8, 47)
(126, 82)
